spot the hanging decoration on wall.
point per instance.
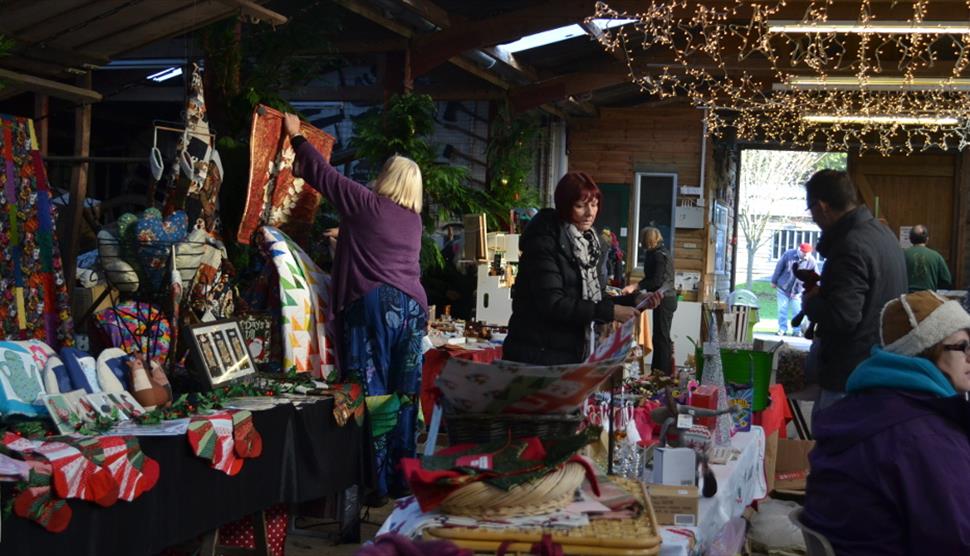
(889, 77)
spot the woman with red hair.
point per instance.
(559, 291)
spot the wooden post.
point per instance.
(41, 122)
(79, 190)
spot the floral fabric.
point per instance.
(33, 293)
(136, 327)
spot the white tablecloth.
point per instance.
(739, 482)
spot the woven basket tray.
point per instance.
(543, 495)
(632, 537)
(481, 428)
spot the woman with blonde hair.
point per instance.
(658, 272)
(377, 297)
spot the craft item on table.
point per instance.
(13, 469)
(188, 255)
(63, 412)
(136, 327)
(620, 502)
(126, 404)
(146, 390)
(112, 371)
(118, 271)
(37, 502)
(675, 418)
(705, 396)
(20, 381)
(72, 474)
(410, 520)
(275, 196)
(105, 406)
(218, 353)
(82, 370)
(304, 292)
(213, 438)
(213, 296)
(741, 398)
(133, 471)
(156, 236)
(501, 464)
(257, 331)
(248, 441)
(714, 376)
(33, 293)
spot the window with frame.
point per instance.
(783, 240)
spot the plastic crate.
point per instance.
(736, 364)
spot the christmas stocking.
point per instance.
(37, 503)
(203, 439)
(74, 476)
(248, 442)
(134, 472)
(228, 463)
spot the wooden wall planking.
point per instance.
(622, 141)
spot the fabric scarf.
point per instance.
(586, 248)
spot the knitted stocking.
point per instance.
(249, 443)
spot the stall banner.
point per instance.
(275, 196)
(508, 387)
(33, 293)
(304, 303)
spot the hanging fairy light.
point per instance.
(885, 85)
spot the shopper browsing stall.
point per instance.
(890, 464)
(559, 291)
(377, 296)
(658, 274)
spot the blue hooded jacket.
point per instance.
(889, 472)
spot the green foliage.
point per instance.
(404, 128)
(833, 161)
(510, 157)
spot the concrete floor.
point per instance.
(305, 545)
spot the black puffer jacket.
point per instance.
(550, 319)
(864, 268)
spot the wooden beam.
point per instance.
(373, 14)
(560, 88)
(478, 72)
(52, 88)
(509, 59)
(254, 10)
(376, 94)
(430, 11)
(79, 190)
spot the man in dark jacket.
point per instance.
(864, 269)
(888, 472)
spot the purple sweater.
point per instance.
(380, 241)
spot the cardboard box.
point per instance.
(705, 396)
(84, 299)
(791, 465)
(675, 505)
(674, 466)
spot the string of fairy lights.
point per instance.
(888, 85)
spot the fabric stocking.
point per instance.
(228, 463)
(74, 476)
(202, 438)
(134, 472)
(248, 442)
(37, 503)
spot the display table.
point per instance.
(305, 456)
(739, 482)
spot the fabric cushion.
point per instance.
(82, 370)
(20, 381)
(112, 371)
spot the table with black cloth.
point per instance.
(306, 456)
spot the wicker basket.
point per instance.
(481, 428)
(549, 493)
(639, 536)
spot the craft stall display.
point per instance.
(171, 356)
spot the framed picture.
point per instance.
(257, 336)
(218, 351)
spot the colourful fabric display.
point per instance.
(82, 369)
(56, 379)
(275, 197)
(304, 301)
(155, 238)
(136, 327)
(33, 295)
(20, 381)
(213, 437)
(38, 503)
(73, 475)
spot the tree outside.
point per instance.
(772, 215)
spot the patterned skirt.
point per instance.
(382, 346)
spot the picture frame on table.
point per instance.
(218, 353)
